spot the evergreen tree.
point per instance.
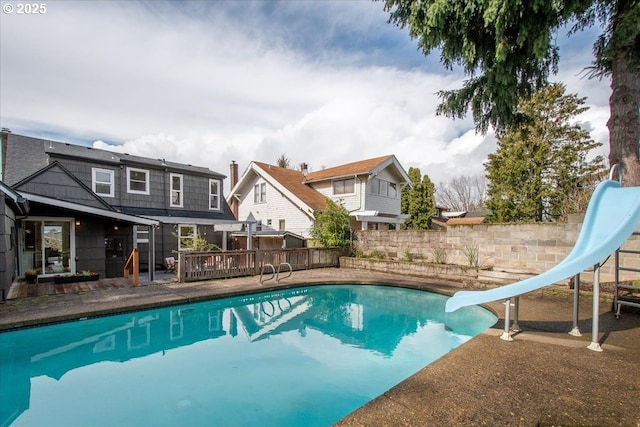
(332, 226)
(283, 161)
(418, 201)
(539, 164)
(509, 49)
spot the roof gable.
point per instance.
(348, 169)
(364, 167)
(56, 182)
(292, 181)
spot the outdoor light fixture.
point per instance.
(77, 223)
(115, 227)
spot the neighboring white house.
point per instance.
(282, 200)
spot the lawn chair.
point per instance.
(170, 264)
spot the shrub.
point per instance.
(439, 255)
(377, 254)
(472, 253)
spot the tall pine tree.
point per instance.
(539, 164)
(418, 201)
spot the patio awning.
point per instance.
(75, 207)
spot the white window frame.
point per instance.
(342, 191)
(193, 230)
(215, 196)
(146, 174)
(172, 190)
(260, 193)
(95, 182)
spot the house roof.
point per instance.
(292, 180)
(350, 169)
(466, 221)
(17, 202)
(26, 155)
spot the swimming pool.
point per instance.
(299, 357)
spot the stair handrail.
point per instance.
(273, 273)
(133, 262)
(286, 264)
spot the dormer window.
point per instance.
(176, 192)
(137, 181)
(383, 188)
(344, 186)
(214, 194)
(102, 182)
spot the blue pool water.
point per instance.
(299, 357)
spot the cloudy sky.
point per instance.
(206, 82)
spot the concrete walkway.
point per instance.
(543, 378)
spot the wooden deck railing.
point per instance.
(194, 266)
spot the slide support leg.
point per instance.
(576, 300)
(595, 345)
(507, 311)
(516, 310)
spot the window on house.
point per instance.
(344, 186)
(260, 193)
(268, 223)
(375, 186)
(393, 191)
(102, 182)
(281, 225)
(214, 194)
(137, 181)
(142, 236)
(186, 237)
(384, 188)
(176, 193)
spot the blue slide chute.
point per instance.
(613, 214)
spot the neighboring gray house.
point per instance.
(91, 207)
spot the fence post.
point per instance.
(182, 273)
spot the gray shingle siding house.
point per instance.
(105, 203)
(12, 206)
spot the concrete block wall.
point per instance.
(514, 248)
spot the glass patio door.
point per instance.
(47, 246)
(56, 244)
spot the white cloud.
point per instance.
(206, 83)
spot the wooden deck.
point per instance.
(22, 289)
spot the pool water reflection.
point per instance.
(299, 357)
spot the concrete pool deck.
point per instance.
(545, 377)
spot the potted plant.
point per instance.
(31, 276)
(84, 276)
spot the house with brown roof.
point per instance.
(283, 201)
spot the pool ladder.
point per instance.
(275, 274)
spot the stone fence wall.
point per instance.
(507, 250)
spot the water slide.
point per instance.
(613, 214)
